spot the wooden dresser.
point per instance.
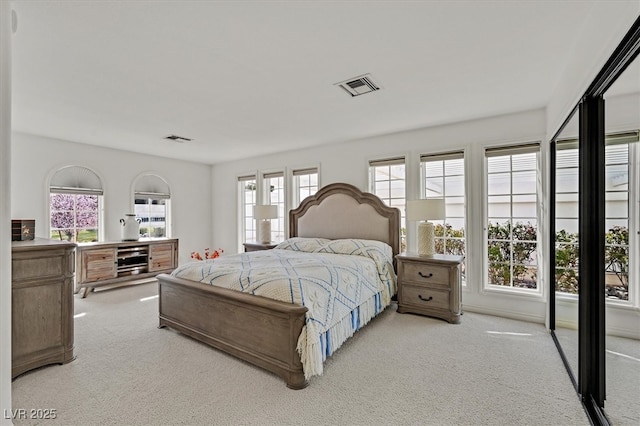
(430, 285)
(107, 263)
(41, 303)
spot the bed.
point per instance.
(277, 335)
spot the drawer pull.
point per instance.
(429, 275)
(425, 300)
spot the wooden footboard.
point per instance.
(258, 330)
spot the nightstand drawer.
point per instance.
(425, 297)
(421, 273)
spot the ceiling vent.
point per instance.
(177, 138)
(359, 85)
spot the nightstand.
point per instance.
(430, 285)
(258, 246)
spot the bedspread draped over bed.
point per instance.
(343, 284)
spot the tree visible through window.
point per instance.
(75, 198)
(74, 217)
(512, 233)
(443, 177)
(619, 151)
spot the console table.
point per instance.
(42, 273)
(106, 263)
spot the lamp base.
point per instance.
(264, 231)
(426, 239)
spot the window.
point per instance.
(620, 194)
(512, 216)
(566, 217)
(275, 195)
(443, 177)
(387, 180)
(75, 205)
(152, 198)
(305, 183)
(619, 197)
(247, 195)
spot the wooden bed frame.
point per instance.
(263, 331)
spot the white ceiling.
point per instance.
(255, 77)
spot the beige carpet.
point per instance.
(400, 369)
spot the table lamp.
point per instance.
(425, 210)
(263, 215)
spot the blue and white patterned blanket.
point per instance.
(343, 284)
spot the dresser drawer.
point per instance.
(424, 297)
(421, 273)
(99, 264)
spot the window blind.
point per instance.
(152, 186)
(76, 180)
(273, 175)
(455, 155)
(513, 150)
(309, 171)
(246, 178)
(386, 162)
(611, 139)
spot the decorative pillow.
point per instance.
(381, 253)
(309, 245)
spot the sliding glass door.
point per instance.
(595, 271)
(622, 256)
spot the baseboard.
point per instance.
(623, 332)
(571, 325)
(505, 313)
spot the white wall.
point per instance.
(5, 209)
(588, 56)
(35, 158)
(622, 112)
(348, 162)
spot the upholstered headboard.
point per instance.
(341, 210)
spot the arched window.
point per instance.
(152, 197)
(75, 204)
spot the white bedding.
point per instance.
(343, 284)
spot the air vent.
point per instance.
(359, 85)
(179, 139)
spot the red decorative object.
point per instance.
(208, 254)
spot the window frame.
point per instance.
(282, 220)
(511, 150)
(158, 190)
(243, 214)
(447, 156)
(295, 175)
(389, 162)
(631, 139)
(79, 180)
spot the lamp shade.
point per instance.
(265, 212)
(431, 209)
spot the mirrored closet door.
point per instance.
(595, 240)
(622, 205)
(564, 232)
